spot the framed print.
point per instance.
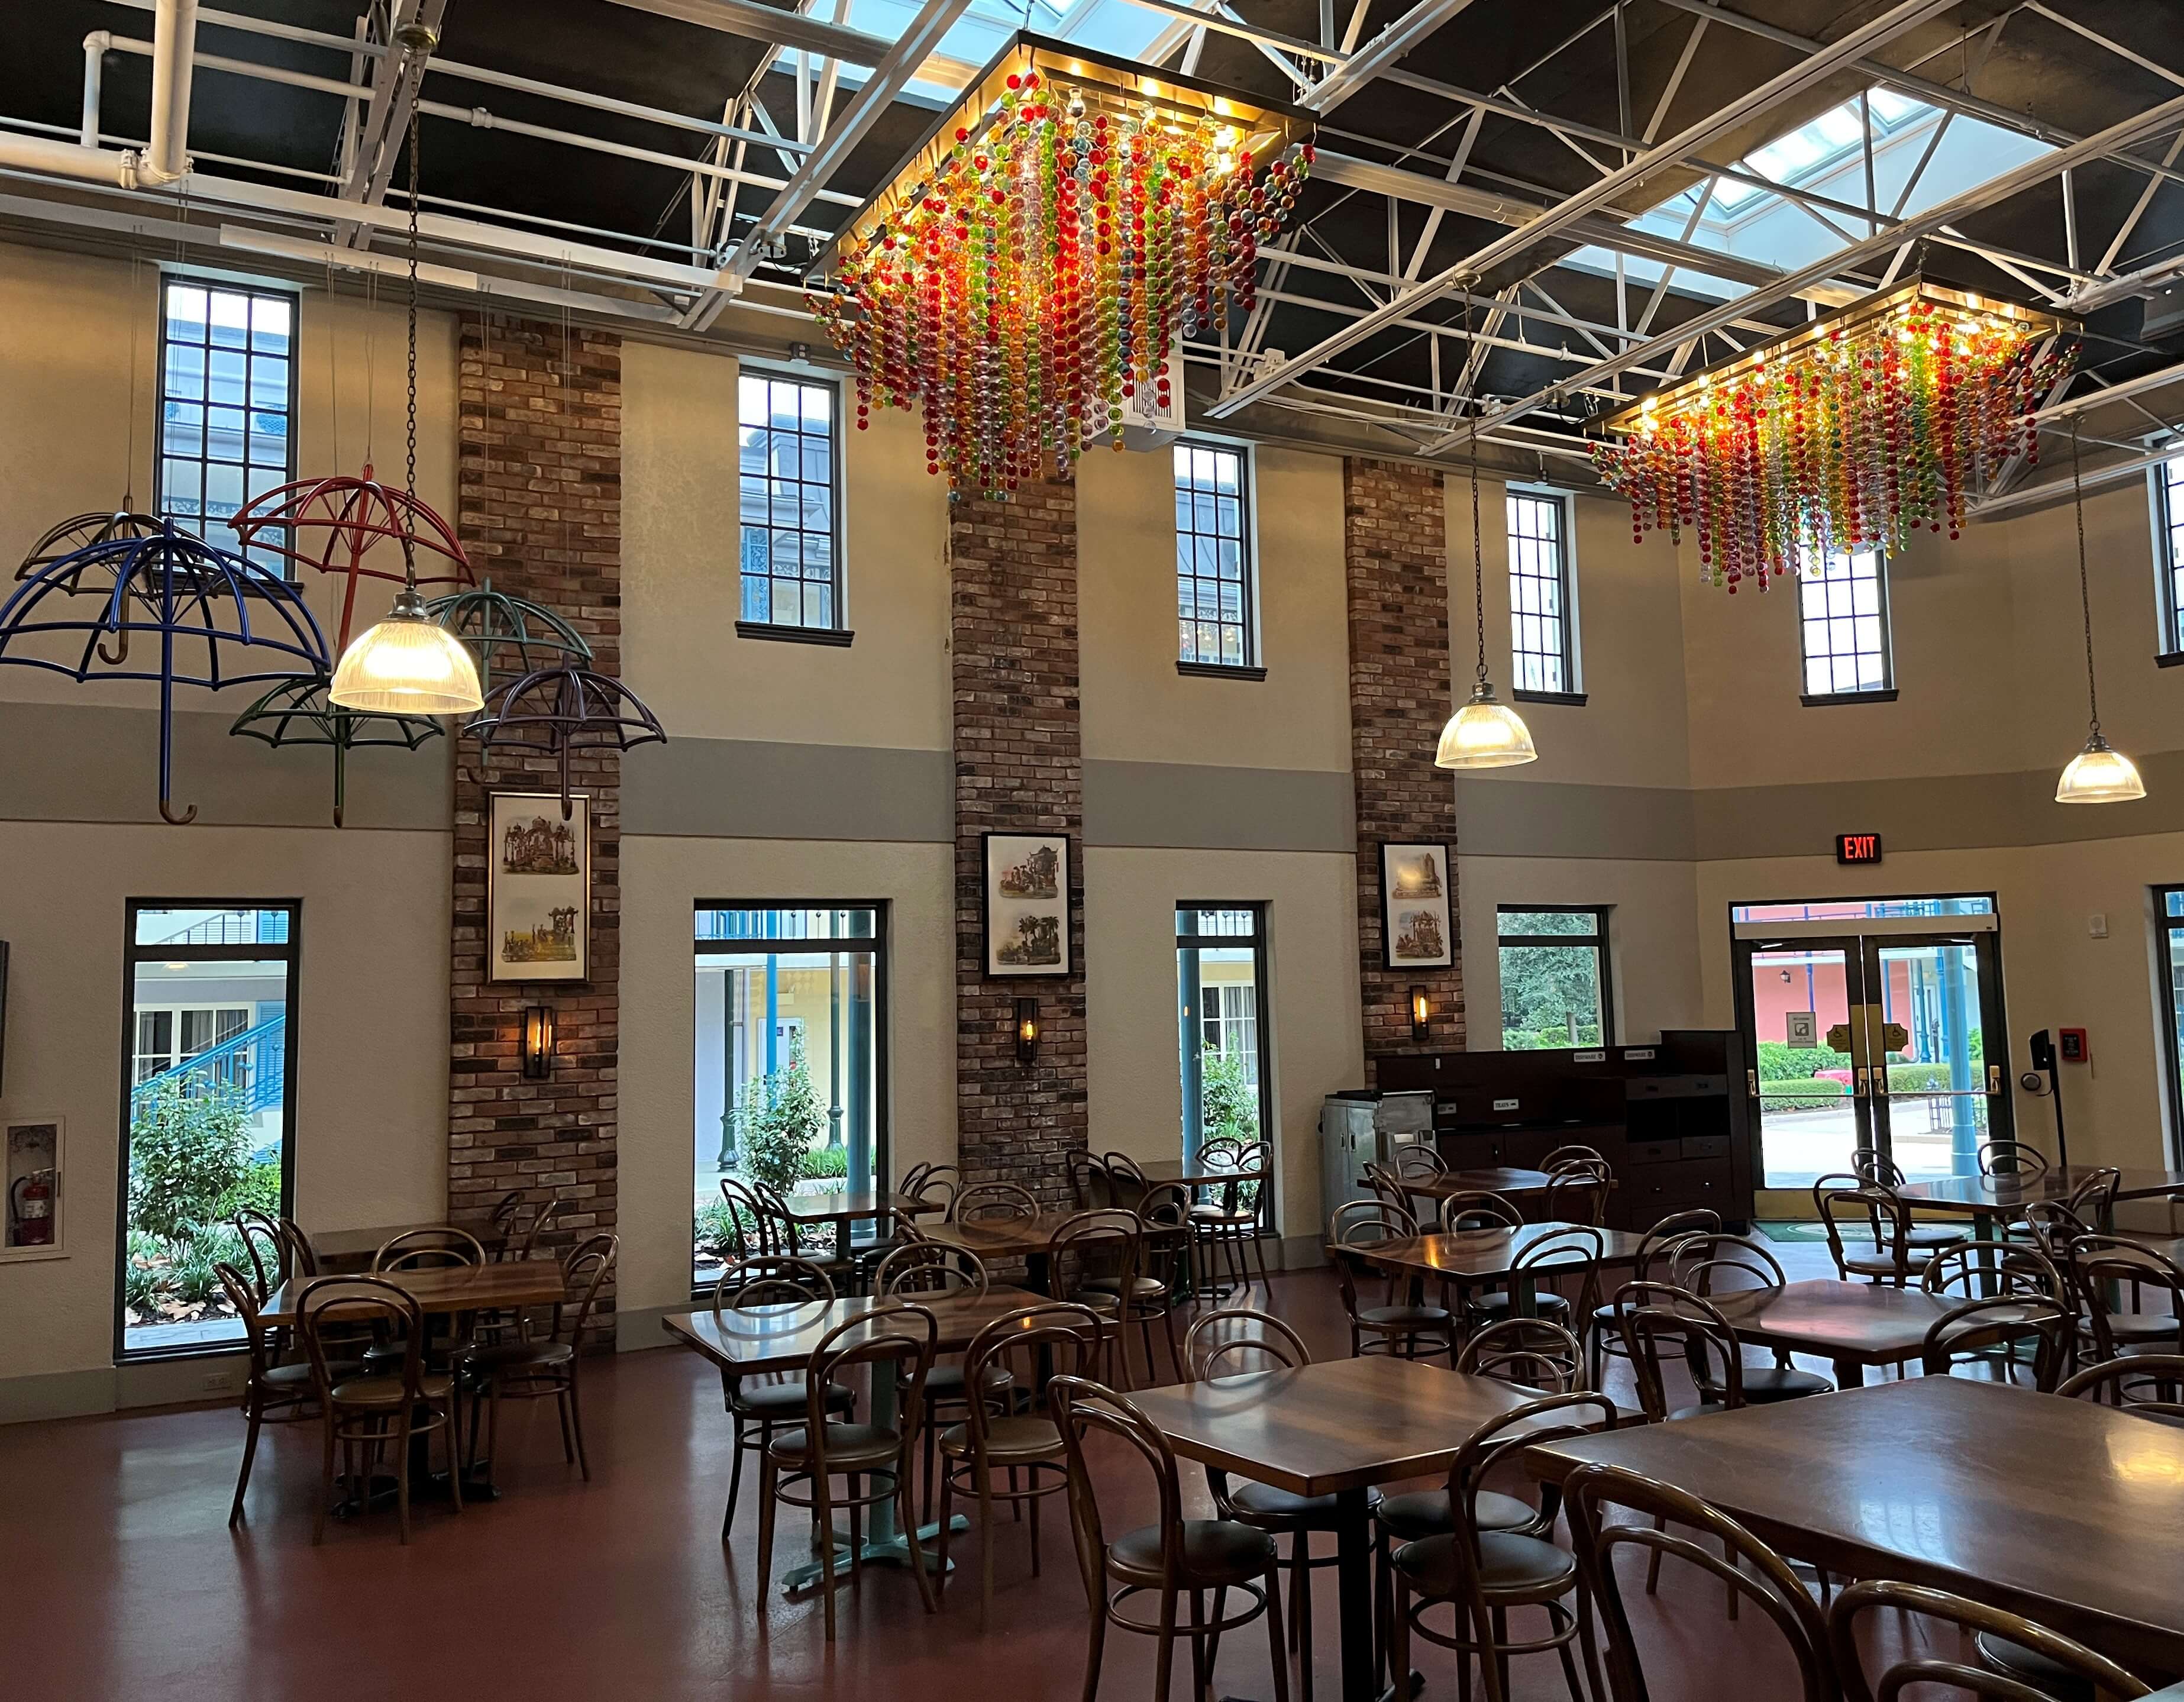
(1027, 904)
(31, 1169)
(538, 904)
(1416, 929)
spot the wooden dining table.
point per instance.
(1991, 1201)
(450, 1289)
(1336, 1427)
(1854, 1325)
(846, 1205)
(745, 1341)
(2063, 1511)
(1473, 1257)
(339, 1251)
(1196, 1173)
(1029, 1239)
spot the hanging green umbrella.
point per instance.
(299, 711)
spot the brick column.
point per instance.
(540, 487)
(1019, 768)
(1395, 555)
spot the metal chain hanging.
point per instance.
(2085, 591)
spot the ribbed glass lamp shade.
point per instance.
(1484, 735)
(407, 665)
(2099, 775)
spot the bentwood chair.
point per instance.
(1485, 1573)
(992, 1202)
(799, 1466)
(1091, 1187)
(932, 1182)
(1156, 1284)
(1714, 1265)
(992, 1437)
(924, 1270)
(271, 1388)
(2149, 1385)
(1534, 1353)
(1577, 1193)
(1094, 1258)
(1972, 1271)
(1876, 1245)
(2094, 1199)
(1580, 1155)
(1875, 1169)
(1746, 1564)
(1127, 1181)
(369, 1412)
(264, 1247)
(1232, 1222)
(1478, 1208)
(539, 1368)
(1231, 1342)
(2026, 1662)
(1420, 1158)
(2012, 1159)
(1404, 1327)
(1605, 1342)
(1575, 1250)
(2114, 1277)
(442, 1248)
(1978, 1328)
(759, 1403)
(1177, 1562)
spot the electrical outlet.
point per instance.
(217, 1382)
(2097, 925)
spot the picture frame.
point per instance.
(1418, 891)
(1026, 906)
(32, 1148)
(538, 888)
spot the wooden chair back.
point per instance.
(1577, 1194)
(1477, 1208)
(2001, 1321)
(1879, 1212)
(1081, 1409)
(1713, 1261)
(2127, 1383)
(1673, 1228)
(303, 1258)
(1749, 1566)
(1875, 1169)
(1537, 1352)
(330, 1306)
(542, 1221)
(992, 1202)
(1575, 1250)
(2012, 1159)
(264, 1247)
(2102, 1675)
(1126, 1182)
(589, 1267)
(1239, 1333)
(505, 1211)
(243, 1296)
(1649, 1314)
(1972, 1270)
(1418, 1158)
(1581, 1157)
(429, 1249)
(1552, 1418)
(1090, 1184)
(1102, 1244)
(2094, 1199)
(932, 1181)
(2107, 1264)
(933, 1268)
(902, 1335)
(755, 1282)
(1060, 1336)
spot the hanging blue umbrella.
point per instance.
(175, 592)
(558, 710)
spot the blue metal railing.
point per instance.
(821, 926)
(254, 1061)
(233, 928)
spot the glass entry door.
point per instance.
(1871, 1041)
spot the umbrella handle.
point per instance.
(120, 654)
(168, 815)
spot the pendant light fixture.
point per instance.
(1483, 734)
(2100, 773)
(408, 664)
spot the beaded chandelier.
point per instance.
(1848, 434)
(1027, 272)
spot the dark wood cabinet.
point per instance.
(1671, 1117)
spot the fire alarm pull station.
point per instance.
(2070, 1046)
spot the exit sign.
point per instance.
(1857, 847)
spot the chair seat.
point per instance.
(779, 1398)
(1220, 1216)
(1141, 1287)
(1215, 1552)
(849, 1447)
(1426, 1513)
(387, 1391)
(1871, 1264)
(1406, 1317)
(1765, 1385)
(2143, 1326)
(517, 1357)
(1508, 1565)
(945, 1382)
(1932, 1236)
(2047, 1676)
(1266, 1507)
(1009, 1440)
(1703, 1409)
(294, 1381)
(1544, 1304)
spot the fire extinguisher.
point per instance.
(31, 1205)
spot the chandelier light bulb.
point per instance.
(1484, 735)
(408, 664)
(2099, 774)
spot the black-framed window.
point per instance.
(227, 401)
(1842, 626)
(1542, 594)
(1222, 1028)
(208, 1109)
(1555, 989)
(790, 1059)
(788, 462)
(2168, 485)
(1215, 623)
(2168, 918)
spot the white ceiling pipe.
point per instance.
(94, 76)
(73, 160)
(173, 44)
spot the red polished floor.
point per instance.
(120, 1579)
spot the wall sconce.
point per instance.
(1027, 1030)
(538, 1042)
(1421, 1012)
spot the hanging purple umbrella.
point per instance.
(558, 710)
(176, 591)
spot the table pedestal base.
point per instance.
(880, 1550)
